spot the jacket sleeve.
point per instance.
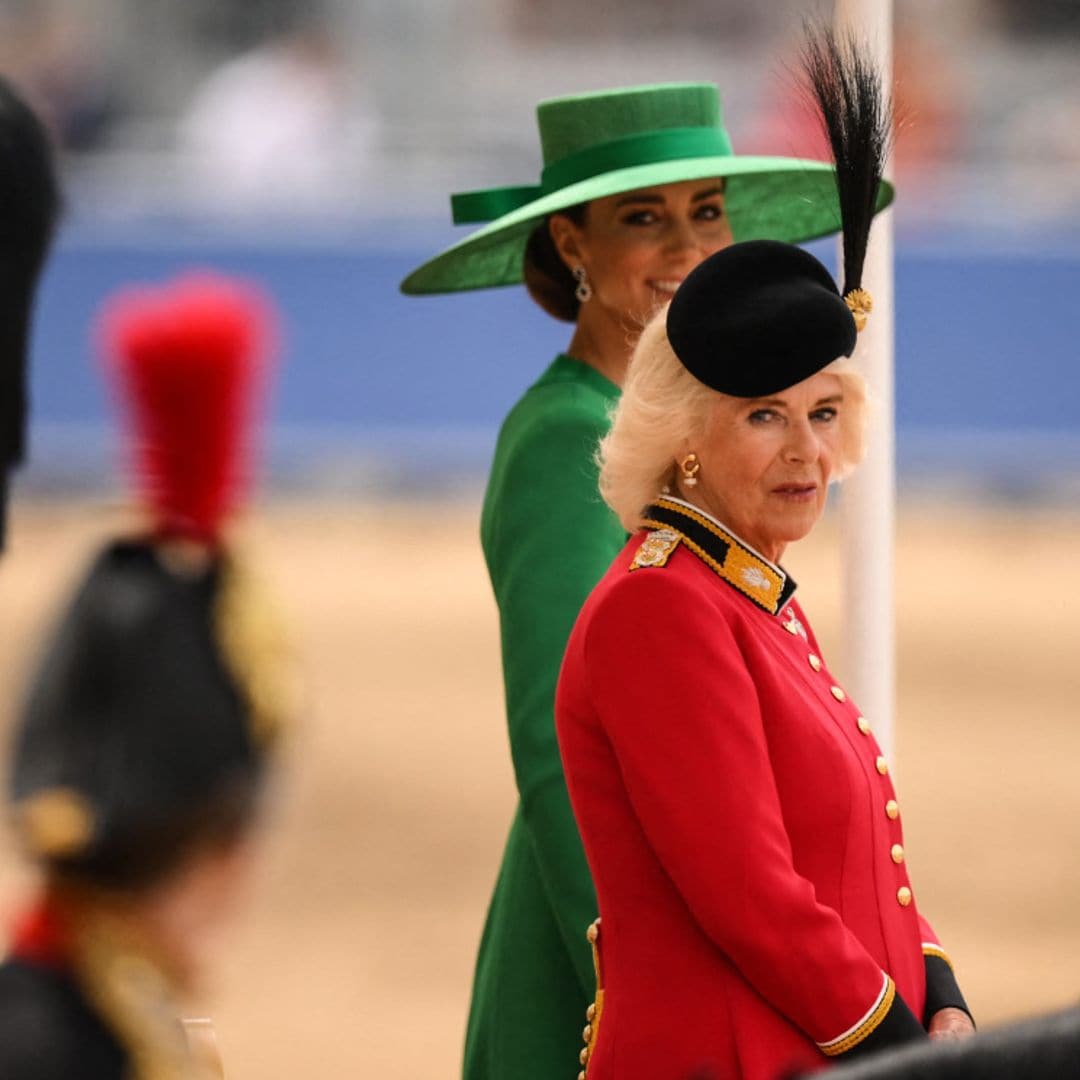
(541, 578)
(680, 708)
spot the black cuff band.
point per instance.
(900, 1026)
(942, 989)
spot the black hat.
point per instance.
(148, 724)
(135, 726)
(758, 317)
(29, 206)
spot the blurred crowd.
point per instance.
(169, 104)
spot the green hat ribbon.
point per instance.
(641, 148)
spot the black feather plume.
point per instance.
(856, 115)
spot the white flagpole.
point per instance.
(868, 497)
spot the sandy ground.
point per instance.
(355, 959)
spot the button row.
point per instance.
(592, 935)
(892, 809)
(892, 812)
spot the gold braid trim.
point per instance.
(866, 1026)
(742, 568)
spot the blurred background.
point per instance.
(312, 144)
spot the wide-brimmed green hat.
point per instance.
(611, 141)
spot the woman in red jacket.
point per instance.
(738, 816)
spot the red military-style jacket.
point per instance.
(740, 824)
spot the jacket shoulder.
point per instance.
(551, 406)
(655, 572)
(545, 464)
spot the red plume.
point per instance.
(188, 358)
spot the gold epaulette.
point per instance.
(655, 549)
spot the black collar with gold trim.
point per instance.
(761, 581)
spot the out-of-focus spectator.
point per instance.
(30, 198)
(1039, 17)
(52, 54)
(274, 127)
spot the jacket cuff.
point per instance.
(942, 989)
(889, 1022)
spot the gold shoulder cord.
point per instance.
(252, 636)
(594, 1011)
(134, 998)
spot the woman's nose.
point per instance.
(682, 236)
(802, 443)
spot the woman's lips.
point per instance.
(796, 492)
(667, 286)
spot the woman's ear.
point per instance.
(568, 240)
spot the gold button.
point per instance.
(892, 809)
(586, 1035)
(590, 1012)
(882, 765)
(838, 693)
(583, 1057)
(903, 896)
(863, 725)
(814, 661)
(581, 1075)
(897, 853)
(593, 932)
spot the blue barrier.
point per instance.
(987, 356)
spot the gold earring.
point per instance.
(690, 467)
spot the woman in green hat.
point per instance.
(639, 185)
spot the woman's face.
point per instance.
(637, 247)
(766, 462)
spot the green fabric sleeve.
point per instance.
(551, 538)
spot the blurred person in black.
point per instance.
(142, 753)
(29, 206)
(1046, 1048)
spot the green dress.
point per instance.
(548, 537)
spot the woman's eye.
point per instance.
(763, 416)
(709, 212)
(826, 415)
(640, 217)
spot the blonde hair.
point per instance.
(664, 410)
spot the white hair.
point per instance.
(664, 410)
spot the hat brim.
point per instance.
(767, 198)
